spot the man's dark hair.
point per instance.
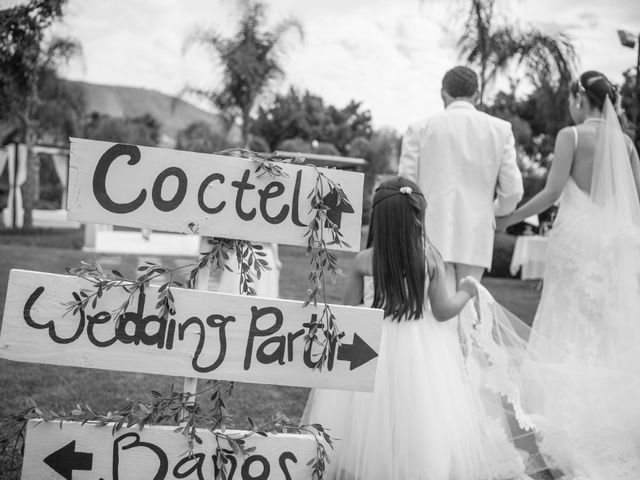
(460, 82)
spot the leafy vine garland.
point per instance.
(186, 408)
(174, 408)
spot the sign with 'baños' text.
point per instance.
(213, 195)
(71, 450)
(210, 335)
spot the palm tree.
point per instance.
(251, 58)
(546, 57)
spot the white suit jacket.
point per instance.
(465, 163)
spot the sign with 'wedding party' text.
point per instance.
(211, 195)
(211, 335)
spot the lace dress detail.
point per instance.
(584, 370)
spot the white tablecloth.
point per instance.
(530, 254)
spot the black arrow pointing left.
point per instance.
(65, 460)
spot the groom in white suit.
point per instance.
(465, 162)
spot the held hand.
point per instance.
(502, 223)
(469, 285)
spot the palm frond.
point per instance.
(284, 27)
(548, 56)
(61, 50)
(545, 56)
(208, 39)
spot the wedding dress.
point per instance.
(581, 373)
(427, 417)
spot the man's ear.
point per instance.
(446, 98)
(475, 98)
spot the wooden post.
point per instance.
(202, 283)
(14, 191)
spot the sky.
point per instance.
(388, 54)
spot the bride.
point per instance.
(582, 367)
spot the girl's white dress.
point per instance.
(425, 418)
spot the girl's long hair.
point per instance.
(397, 236)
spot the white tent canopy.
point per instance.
(14, 158)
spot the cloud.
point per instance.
(390, 55)
(590, 19)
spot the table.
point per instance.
(530, 255)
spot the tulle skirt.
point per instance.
(424, 419)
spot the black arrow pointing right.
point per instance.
(357, 354)
(65, 460)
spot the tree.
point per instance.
(27, 58)
(60, 113)
(285, 119)
(546, 57)
(295, 144)
(142, 130)
(629, 104)
(305, 116)
(200, 137)
(251, 59)
(381, 151)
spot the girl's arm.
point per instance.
(354, 291)
(443, 305)
(556, 180)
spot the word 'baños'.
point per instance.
(66, 459)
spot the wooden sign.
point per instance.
(211, 335)
(210, 195)
(69, 450)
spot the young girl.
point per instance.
(423, 420)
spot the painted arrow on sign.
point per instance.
(65, 460)
(336, 208)
(358, 353)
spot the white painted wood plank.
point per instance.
(212, 335)
(212, 195)
(134, 243)
(91, 452)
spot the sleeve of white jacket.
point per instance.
(509, 190)
(408, 165)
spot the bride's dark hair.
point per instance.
(396, 233)
(597, 88)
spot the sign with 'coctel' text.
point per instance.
(212, 195)
(72, 451)
(210, 335)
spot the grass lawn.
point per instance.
(63, 387)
